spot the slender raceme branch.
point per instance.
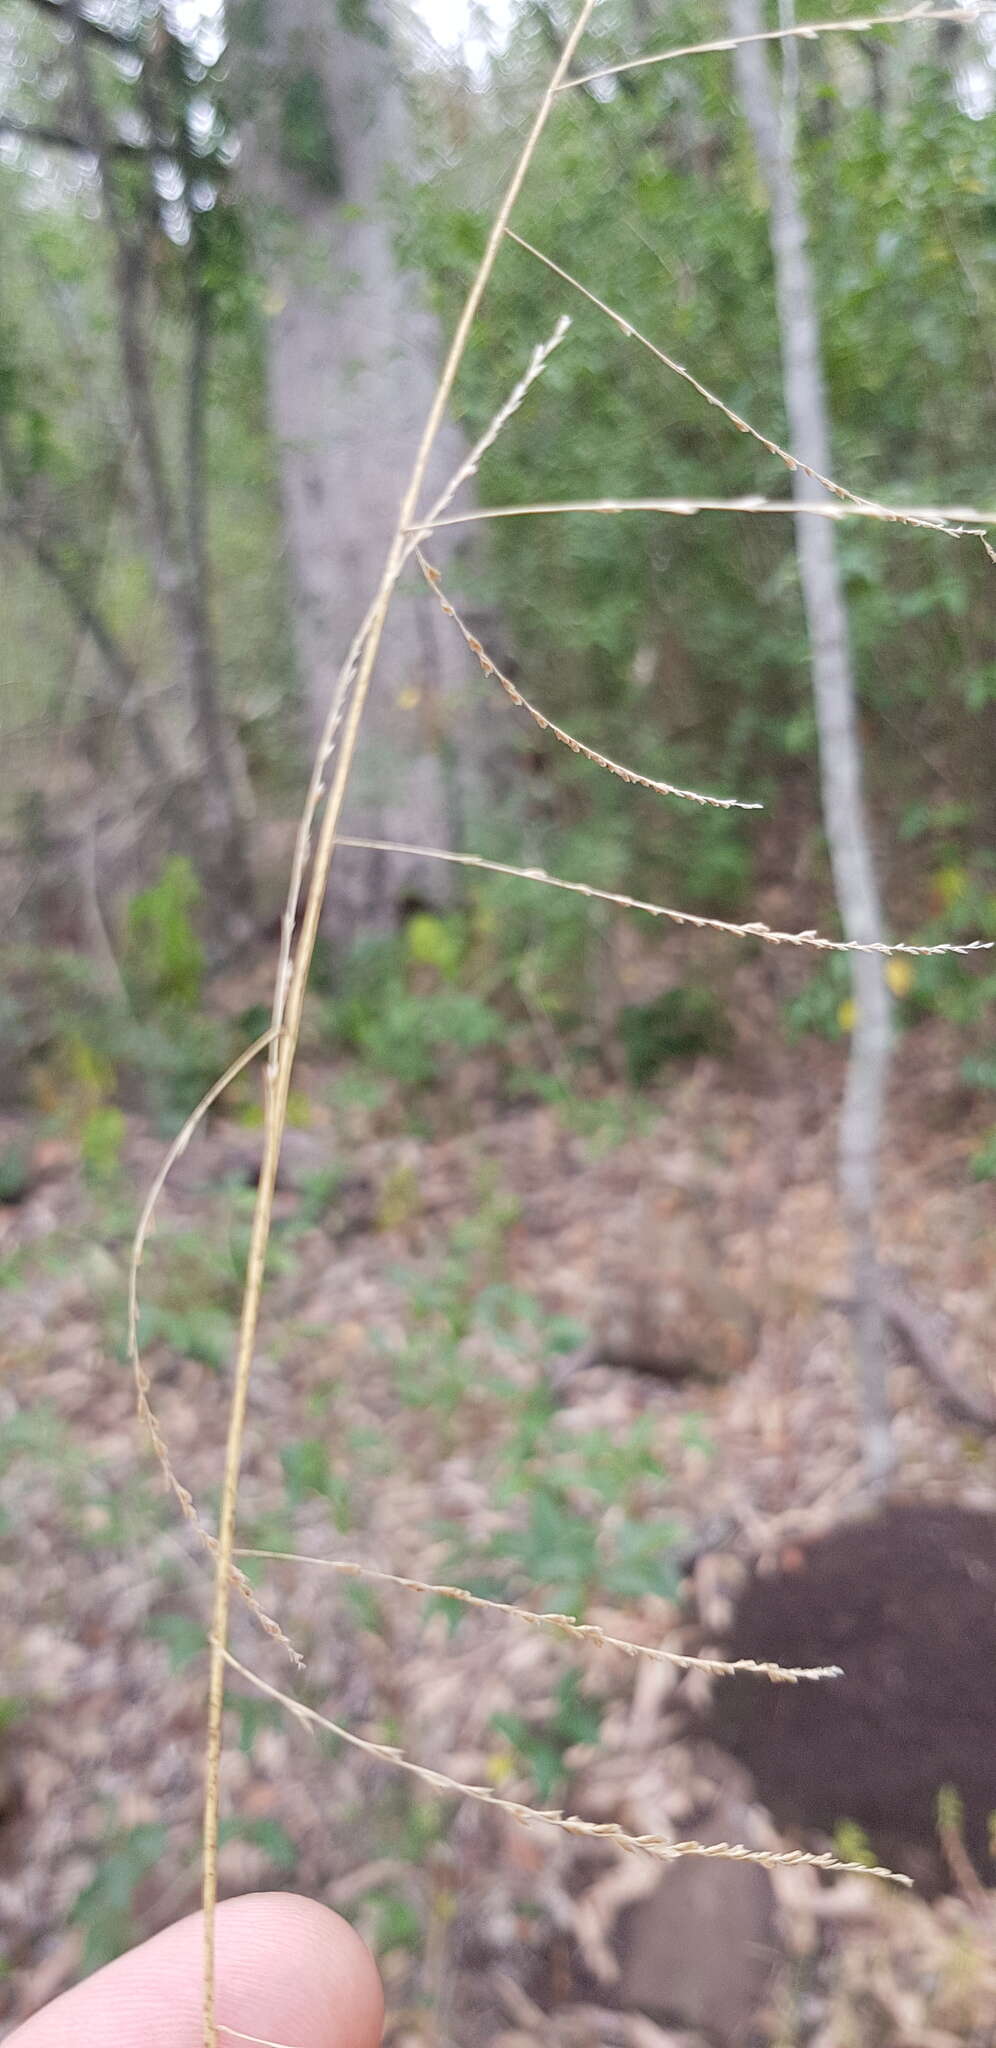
(939, 517)
(581, 1631)
(470, 466)
(567, 739)
(755, 930)
(807, 30)
(792, 462)
(657, 1846)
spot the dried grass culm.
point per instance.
(317, 837)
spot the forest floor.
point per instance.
(424, 1401)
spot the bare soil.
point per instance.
(906, 1605)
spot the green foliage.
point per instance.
(252, 1714)
(560, 1548)
(194, 1286)
(267, 1835)
(411, 1033)
(851, 1844)
(397, 1923)
(439, 1367)
(74, 1048)
(678, 1024)
(15, 1174)
(983, 1161)
(205, 1333)
(817, 1007)
(419, 1035)
(438, 942)
(183, 1637)
(542, 1747)
(307, 141)
(950, 1810)
(356, 17)
(164, 958)
(319, 1192)
(101, 1139)
(980, 1072)
(104, 1911)
(307, 1470)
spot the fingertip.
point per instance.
(326, 1975)
(288, 1970)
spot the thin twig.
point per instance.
(567, 739)
(743, 426)
(295, 974)
(657, 1846)
(755, 930)
(581, 1631)
(807, 29)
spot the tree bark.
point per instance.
(844, 809)
(352, 353)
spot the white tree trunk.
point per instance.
(353, 355)
(844, 812)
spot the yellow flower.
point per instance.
(900, 974)
(847, 1013)
(950, 883)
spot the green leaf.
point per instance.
(183, 1637)
(267, 1835)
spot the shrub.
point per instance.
(676, 1025)
(164, 958)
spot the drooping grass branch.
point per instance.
(754, 930)
(567, 739)
(660, 1847)
(566, 1624)
(936, 517)
(792, 461)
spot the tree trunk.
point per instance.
(211, 810)
(352, 364)
(844, 812)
